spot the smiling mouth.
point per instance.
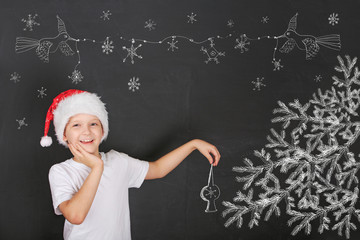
(86, 141)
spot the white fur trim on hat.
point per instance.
(87, 103)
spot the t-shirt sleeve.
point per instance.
(60, 186)
(136, 170)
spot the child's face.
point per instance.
(86, 130)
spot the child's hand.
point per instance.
(82, 156)
(208, 150)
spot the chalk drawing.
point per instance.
(258, 83)
(308, 43)
(45, 46)
(265, 19)
(230, 23)
(15, 77)
(172, 44)
(333, 19)
(317, 78)
(150, 24)
(107, 46)
(134, 84)
(76, 77)
(312, 151)
(210, 193)
(131, 52)
(41, 92)
(212, 53)
(242, 43)
(30, 22)
(277, 65)
(21, 123)
(191, 18)
(106, 15)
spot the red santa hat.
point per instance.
(68, 104)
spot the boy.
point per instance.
(91, 189)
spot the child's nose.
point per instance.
(86, 129)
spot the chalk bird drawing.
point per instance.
(309, 43)
(45, 46)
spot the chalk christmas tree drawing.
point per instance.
(313, 151)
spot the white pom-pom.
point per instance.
(46, 141)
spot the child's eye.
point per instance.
(76, 125)
(94, 124)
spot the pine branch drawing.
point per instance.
(313, 152)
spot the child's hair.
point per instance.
(68, 104)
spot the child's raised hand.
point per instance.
(82, 156)
(208, 150)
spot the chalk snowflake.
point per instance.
(317, 78)
(42, 93)
(265, 19)
(333, 19)
(134, 84)
(172, 44)
(76, 77)
(106, 15)
(258, 84)
(107, 46)
(30, 22)
(191, 18)
(211, 192)
(150, 25)
(21, 123)
(230, 23)
(131, 52)
(212, 53)
(277, 65)
(15, 77)
(242, 43)
(312, 150)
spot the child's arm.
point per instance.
(161, 167)
(76, 209)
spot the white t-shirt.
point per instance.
(109, 215)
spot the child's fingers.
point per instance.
(82, 150)
(216, 155)
(74, 150)
(209, 155)
(209, 158)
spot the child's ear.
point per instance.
(65, 138)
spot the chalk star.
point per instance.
(131, 52)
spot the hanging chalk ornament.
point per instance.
(210, 193)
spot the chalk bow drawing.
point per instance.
(313, 152)
(210, 193)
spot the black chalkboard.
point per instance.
(171, 71)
